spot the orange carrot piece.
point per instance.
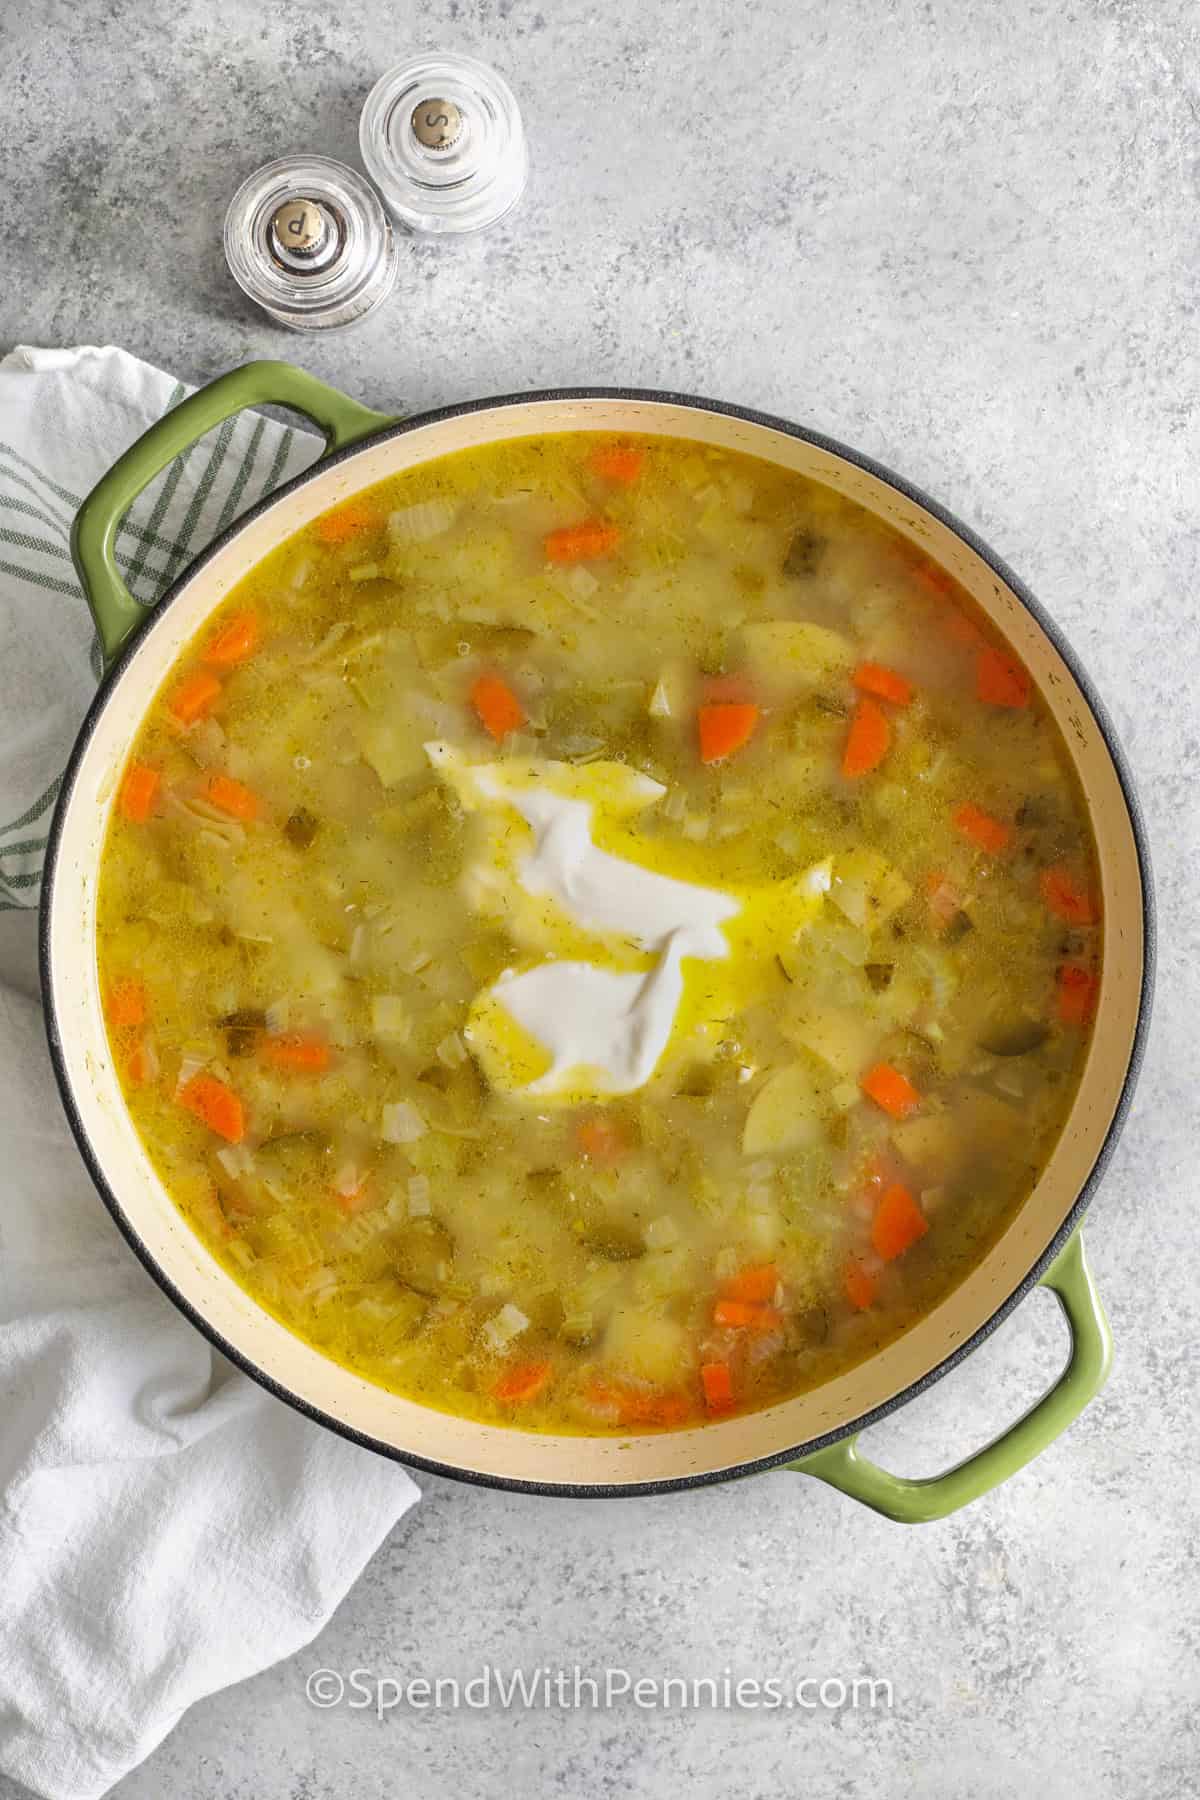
(898, 1223)
(498, 708)
(1065, 900)
(717, 1383)
(524, 1381)
(888, 1088)
(127, 1003)
(137, 1064)
(860, 1284)
(932, 576)
(617, 462)
(139, 790)
(724, 728)
(237, 639)
(601, 1138)
(991, 834)
(194, 696)
(735, 687)
(1077, 991)
(302, 1053)
(867, 743)
(654, 1408)
(581, 543)
(755, 1284)
(215, 1105)
(231, 797)
(345, 522)
(739, 1314)
(999, 681)
(884, 683)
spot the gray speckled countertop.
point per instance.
(962, 237)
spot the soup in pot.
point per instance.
(597, 934)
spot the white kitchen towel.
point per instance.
(166, 1527)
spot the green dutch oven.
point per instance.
(817, 1432)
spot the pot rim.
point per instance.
(757, 1465)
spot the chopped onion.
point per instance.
(675, 804)
(301, 573)
(660, 702)
(389, 1018)
(451, 1051)
(845, 1095)
(236, 1160)
(660, 1234)
(150, 1059)
(726, 1264)
(417, 524)
(366, 572)
(582, 582)
(358, 944)
(401, 1123)
(347, 1181)
(420, 1204)
(697, 827)
(277, 1016)
(188, 1068)
(507, 1324)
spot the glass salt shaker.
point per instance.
(442, 139)
(308, 240)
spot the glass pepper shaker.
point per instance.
(442, 139)
(308, 240)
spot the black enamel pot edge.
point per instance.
(774, 1459)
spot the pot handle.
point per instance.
(93, 535)
(915, 1502)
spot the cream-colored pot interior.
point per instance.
(459, 1444)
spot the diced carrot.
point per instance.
(1077, 990)
(498, 708)
(638, 1406)
(137, 1063)
(755, 1284)
(717, 1383)
(654, 1408)
(357, 1200)
(601, 1138)
(231, 797)
(860, 1284)
(303, 1053)
(194, 696)
(522, 1382)
(898, 1223)
(999, 681)
(991, 834)
(617, 462)
(884, 683)
(724, 728)
(739, 1314)
(932, 576)
(237, 639)
(736, 687)
(1066, 900)
(867, 743)
(139, 790)
(215, 1105)
(581, 543)
(339, 526)
(888, 1088)
(127, 1002)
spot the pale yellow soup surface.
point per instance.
(301, 924)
